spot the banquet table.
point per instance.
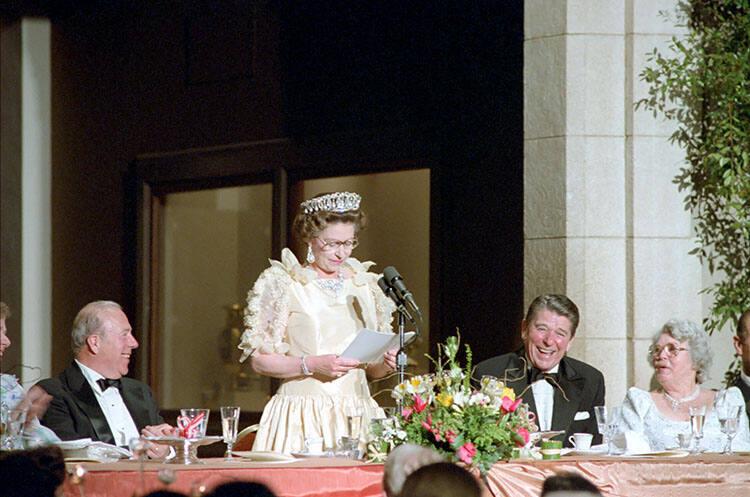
(691, 476)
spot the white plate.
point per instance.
(536, 436)
(308, 455)
(580, 452)
(660, 453)
(74, 444)
(263, 455)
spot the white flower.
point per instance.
(460, 398)
(478, 398)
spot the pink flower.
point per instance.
(450, 436)
(522, 437)
(427, 424)
(466, 452)
(406, 412)
(419, 404)
(509, 405)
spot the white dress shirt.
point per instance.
(544, 398)
(120, 421)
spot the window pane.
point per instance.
(214, 245)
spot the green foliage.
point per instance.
(475, 426)
(703, 85)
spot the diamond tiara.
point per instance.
(333, 202)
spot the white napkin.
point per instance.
(632, 442)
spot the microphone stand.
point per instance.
(401, 357)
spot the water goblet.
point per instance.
(354, 421)
(607, 419)
(684, 440)
(12, 422)
(697, 418)
(138, 447)
(729, 419)
(230, 418)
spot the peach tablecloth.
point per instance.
(707, 475)
(304, 478)
(692, 476)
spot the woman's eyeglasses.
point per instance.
(671, 349)
(333, 245)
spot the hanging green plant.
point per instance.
(703, 84)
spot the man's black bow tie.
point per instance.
(105, 383)
(535, 374)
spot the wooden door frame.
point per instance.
(282, 162)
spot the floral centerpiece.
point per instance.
(441, 410)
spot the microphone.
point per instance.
(397, 286)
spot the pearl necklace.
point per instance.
(676, 403)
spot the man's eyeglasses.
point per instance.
(333, 245)
(671, 349)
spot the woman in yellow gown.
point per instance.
(299, 318)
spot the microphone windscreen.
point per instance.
(391, 274)
(384, 286)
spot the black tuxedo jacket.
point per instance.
(745, 393)
(583, 386)
(75, 413)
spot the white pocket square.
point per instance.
(581, 415)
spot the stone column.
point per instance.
(25, 178)
(603, 222)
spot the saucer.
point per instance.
(263, 456)
(310, 455)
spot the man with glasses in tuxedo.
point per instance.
(559, 390)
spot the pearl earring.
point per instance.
(310, 255)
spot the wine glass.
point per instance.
(607, 419)
(697, 418)
(729, 419)
(230, 418)
(354, 421)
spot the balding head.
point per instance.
(403, 461)
(89, 321)
(102, 339)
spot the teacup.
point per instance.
(550, 449)
(581, 441)
(314, 445)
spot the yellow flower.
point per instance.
(445, 399)
(509, 392)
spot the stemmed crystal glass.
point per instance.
(138, 448)
(230, 419)
(607, 419)
(729, 419)
(697, 418)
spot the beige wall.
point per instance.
(604, 222)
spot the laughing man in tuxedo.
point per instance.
(92, 398)
(560, 390)
(742, 347)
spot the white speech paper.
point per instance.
(369, 346)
